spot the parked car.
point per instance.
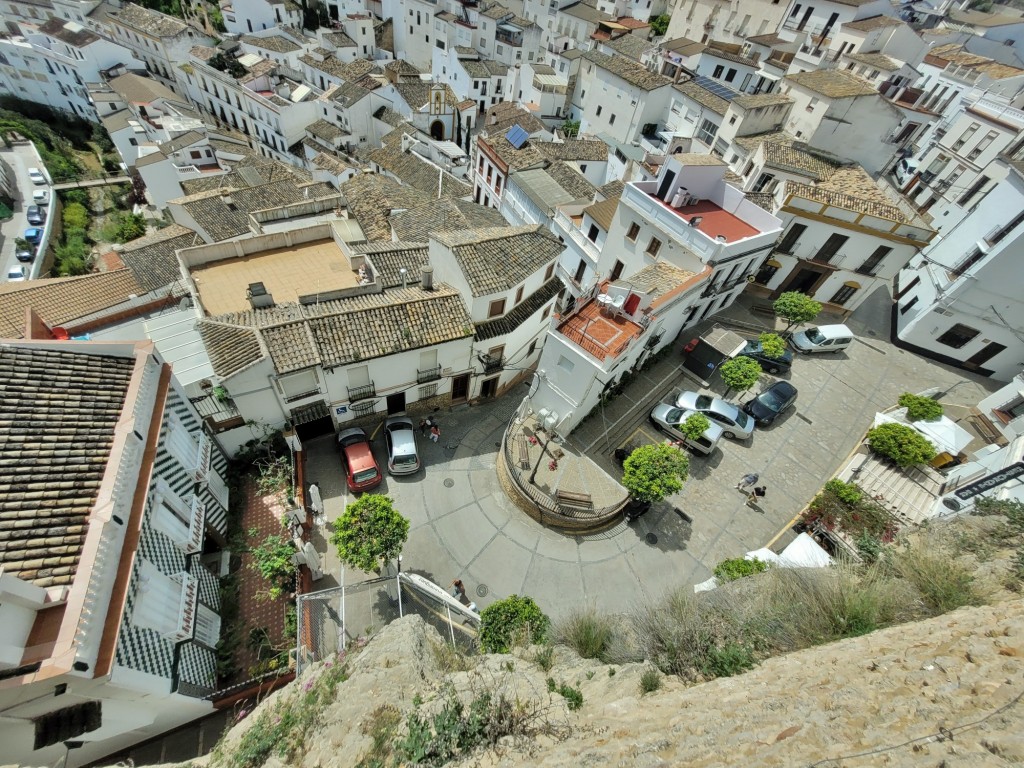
(823, 338)
(755, 351)
(16, 274)
(36, 176)
(667, 418)
(772, 403)
(735, 423)
(361, 470)
(401, 441)
(35, 215)
(41, 197)
(25, 255)
(34, 235)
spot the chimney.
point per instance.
(427, 277)
(258, 296)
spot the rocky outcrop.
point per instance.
(939, 692)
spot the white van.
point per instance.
(823, 338)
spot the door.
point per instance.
(396, 403)
(804, 281)
(581, 270)
(460, 387)
(831, 247)
(792, 236)
(489, 388)
(989, 351)
(666, 185)
(617, 271)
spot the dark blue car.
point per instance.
(755, 351)
(772, 403)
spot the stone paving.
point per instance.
(465, 526)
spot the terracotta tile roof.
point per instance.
(769, 39)
(498, 259)
(152, 259)
(612, 188)
(850, 188)
(658, 279)
(833, 83)
(56, 432)
(402, 67)
(586, 12)
(324, 130)
(603, 212)
(761, 100)
(371, 199)
(443, 216)
(522, 312)
(787, 157)
(276, 43)
(330, 163)
(389, 116)
(291, 346)
(78, 38)
(872, 23)
(136, 89)
(703, 96)
(764, 200)
(504, 115)
(348, 94)
(151, 22)
(634, 74)
(231, 348)
(340, 40)
(416, 172)
(59, 300)
(573, 149)
(698, 158)
(632, 46)
(721, 53)
(571, 180)
(390, 258)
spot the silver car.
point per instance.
(667, 418)
(401, 441)
(735, 424)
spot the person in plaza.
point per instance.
(757, 494)
(747, 481)
(458, 588)
(435, 433)
(425, 424)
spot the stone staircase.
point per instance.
(909, 494)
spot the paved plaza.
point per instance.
(465, 526)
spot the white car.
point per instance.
(41, 197)
(36, 176)
(735, 424)
(16, 274)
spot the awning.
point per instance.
(852, 284)
(773, 263)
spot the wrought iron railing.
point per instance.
(430, 374)
(363, 392)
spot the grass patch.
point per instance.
(944, 585)
(650, 681)
(587, 632)
(382, 727)
(449, 659)
(545, 657)
(573, 696)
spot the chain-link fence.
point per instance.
(331, 619)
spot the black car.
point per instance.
(35, 215)
(755, 351)
(770, 404)
(25, 255)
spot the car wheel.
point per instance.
(773, 369)
(728, 435)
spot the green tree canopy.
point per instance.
(659, 24)
(652, 472)
(696, 424)
(130, 226)
(571, 128)
(506, 622)
(272, 559)
(795, 307)
(772, 345)
(75, 216)
(740, 373)
(920, 408)
(370, 533)
(903, 444)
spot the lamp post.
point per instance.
(543, 450)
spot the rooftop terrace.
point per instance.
(598, 334)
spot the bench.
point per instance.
(568, 499)
(524, 451)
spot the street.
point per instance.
(20, 158)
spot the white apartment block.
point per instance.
(729, 22)
(247, 16)
(620, 98)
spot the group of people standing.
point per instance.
(748, 484)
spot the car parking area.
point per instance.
(32, 208)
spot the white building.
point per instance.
(958, 301)
(109, 574)
(620, 99)
(241, 16)
(729, 22)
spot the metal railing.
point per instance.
(363, 392)
(428, 375)
(492, 364)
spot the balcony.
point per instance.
(430, 374)
(833, 260)
(568, 227)
(492, 364)
(302, 395)
(186, 619)
(601, 336)
(362, 393)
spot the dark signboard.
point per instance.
(989, 482)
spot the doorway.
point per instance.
(437, 130)
(460, 387)
(804, 282)
(666, 185)
(396, 403)
(489, 387)
(987, 352)
(616, 271)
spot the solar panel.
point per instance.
(517, 136)
(722, 91)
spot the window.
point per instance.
(592, 233)
(958, 336)
(653, 247)
(730, 75)
(982, 145)
(549, 272)
(965, 136)
(789, 241)
(767, 272)
(634, 231)
(811, 105)
(843, 295)
(718, 71)
(706, 132)
(611, 120)
(519, 294)
(765, 183)
(599, 108)
(872, 262)
(975, 256)
(976, 187)
(907, 307)
(565, 363)
(207, 626)
(497, 308)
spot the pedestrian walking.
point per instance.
(747, 481)
(458, 588)
(435, 434)
(425, 424)
(757, 494)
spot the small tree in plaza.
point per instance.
(695, 426)
(370, 533)
(903, 444)
(652, 472)
(920, 408)
(795, 308)
(740, 373)
(773, 345)
(514, 620)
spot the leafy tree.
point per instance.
(652, 472)
(795, 307)
(848, 493)
(659, 25)
(76, 216)
(738, 567)
(21, 244)
(773, 345)
(80, 196)
(370, 533)
(920, 408)
(506, 622)
(901, 443)
(130, 226)
(696, 424)
(272, 559)
(571, 128)
(740, 373)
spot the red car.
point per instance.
(361, 469)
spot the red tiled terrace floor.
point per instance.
(714, 221)
(598, 335)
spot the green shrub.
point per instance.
(848, 493)
(79, 196)
(1011, 509)
(738, 567)
(272, 559)
(740, 373)
(573, 696)
(903, 444)
(868, 547)
(795, 307)
(545, 657)
(727, 660)
(772, 345)
(75, 216)
(370, 533)
(695, 425)
(514, 620)
(587, 632)
(920, 408)
(650, 681)
(944, 584)
(129, 227)
(652, 472)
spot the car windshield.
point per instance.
(815, 336)
(365, 475)
(404, 460)
(703, 402)
(674, 416)
(773, 399)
